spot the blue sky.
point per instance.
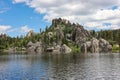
(17, 17)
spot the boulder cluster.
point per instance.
(96, 46)
(34, 47)
(38, 48)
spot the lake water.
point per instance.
(60, 67)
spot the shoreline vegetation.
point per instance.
(62, 37)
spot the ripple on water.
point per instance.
(60, 67)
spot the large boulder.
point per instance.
(38, 47)
(57, 49)
(109, 48)
(34, 47)
(90, 46)
(50, 49)
(65, 49)
(104, 45)
(94, 45)
(30, 47)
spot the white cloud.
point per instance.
(98, 26)
(94, 12)
(12, 31)
(25, 29)
(4, 28)
(107, 14)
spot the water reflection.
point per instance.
(60, 67)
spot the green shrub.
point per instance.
(115, 48)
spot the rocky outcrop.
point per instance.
(104, 46)
(60, 36)
(62, 32)
(30, 47)
(38, 47)
(96, 46)
(57, 49)
(34, 47)
(64, 49)
(58, 21)
(71, 31)
(79, 34)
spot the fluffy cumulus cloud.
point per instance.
(25, 29)
(4, 28)
(16, 31)
(92, 13)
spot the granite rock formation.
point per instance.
(96, 46)
(34, 47)
(62, 34)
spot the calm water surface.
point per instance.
(60, 67)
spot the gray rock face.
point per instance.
(96, 46)
(104, 46)
(34, 47)
(65, 49)
(30, 47)
(75, 32)
(57, 48)
(38, 47)
(79, 34)
(60, 36)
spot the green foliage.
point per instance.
(75, 48)
(110, 35)
(115, 48)
(113, 36)
(64, 41)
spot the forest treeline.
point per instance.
(113, 36)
